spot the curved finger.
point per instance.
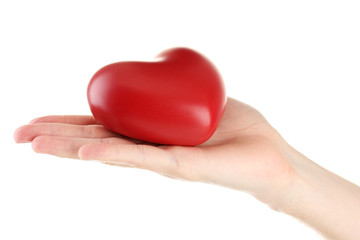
(28, 132)
(137, 155)
(68, 147)
(68, 119)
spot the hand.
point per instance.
(245, 152)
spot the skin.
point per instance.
(245, 153)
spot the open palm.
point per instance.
(244, 153)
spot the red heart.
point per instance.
(177, 99)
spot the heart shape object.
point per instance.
(178, 99)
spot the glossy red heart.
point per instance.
(178, 99)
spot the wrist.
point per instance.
(283, 188)
(292, 197)
(320, 198)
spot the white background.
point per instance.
(296, 61)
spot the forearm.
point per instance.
(323, 200)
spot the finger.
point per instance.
(28, 132)
(141, 156)
(68, 119)
(68, 147)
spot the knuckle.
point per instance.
(37, 143)
(177, 168)
(54, 129)
(141, 155)
(183, 165)
(88, 131)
